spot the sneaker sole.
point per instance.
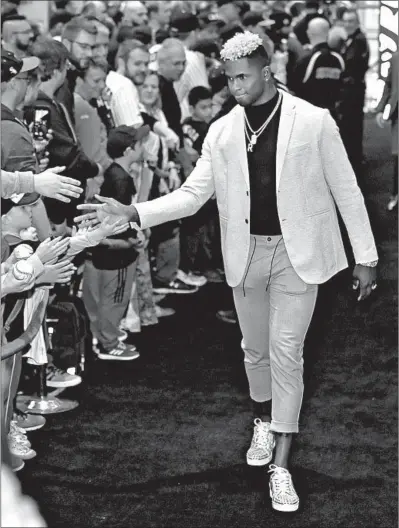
(106, 357)
(258, 463)
(63, 384)
(32, 428)
(18, 468)
(178, 292)
(284, 507)
(28, 456)
(194, 284)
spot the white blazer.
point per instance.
(312, 171)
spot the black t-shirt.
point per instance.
(262, 170)
(117, 184)
(195, 132)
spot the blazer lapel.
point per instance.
(284, 133)
(237, 142)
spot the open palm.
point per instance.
(99, 211)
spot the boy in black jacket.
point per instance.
(108, 277)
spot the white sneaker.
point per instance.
(191, 279)
(393, 202)
(282, 491)
(261, 451)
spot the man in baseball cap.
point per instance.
(11, 66)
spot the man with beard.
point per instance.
(79, 38)
(132, 61)
(65, 148)
(134, 14)
(17, 35)
(278, 167)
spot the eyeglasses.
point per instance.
(84, 46)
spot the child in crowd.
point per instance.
(196, 126)
(198, 231)
(109, 274)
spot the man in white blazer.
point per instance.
(277, 165)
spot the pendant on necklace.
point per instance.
(252, 142)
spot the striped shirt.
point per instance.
(125, 100)
(194, 75)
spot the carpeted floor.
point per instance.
(160, 442)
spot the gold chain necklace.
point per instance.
(252, 140)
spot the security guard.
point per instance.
(317, 75)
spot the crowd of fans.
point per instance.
(115, 99)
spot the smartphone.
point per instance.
(38, 121)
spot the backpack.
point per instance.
(71, 338)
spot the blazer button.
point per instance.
(246, 220)
(247, 193)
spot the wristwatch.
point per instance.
(372, 264)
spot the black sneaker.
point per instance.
(175, 286)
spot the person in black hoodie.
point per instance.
(109, 275)
(64, 148)
(79, 38)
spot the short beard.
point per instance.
(23, 47)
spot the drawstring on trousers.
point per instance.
(249, 265)
(271, 265)
(250, 262)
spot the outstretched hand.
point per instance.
(52, 185)
(108, 207)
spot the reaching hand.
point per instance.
(41, 144)
(59, 273)
(10, 284)
(107, 207)
(174, 179)
(111, 227)
(381, 122)
(44, 161)
(172, 140)
(50, 249)
(51, 185)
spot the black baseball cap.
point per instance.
(183, 21)
(122, 137)
(11, 66)
(18, 200)
(280, 20)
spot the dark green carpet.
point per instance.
(160, 442)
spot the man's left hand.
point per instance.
(364, 278)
